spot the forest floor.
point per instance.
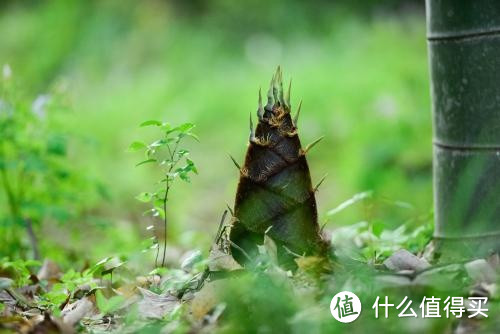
(215, 294)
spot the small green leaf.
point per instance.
(159, 142)
(56, 297)
(146, 162)
(110, 305)
(103, 261)
(184, 176)
(151, 122)
(192, 135)
(192, 166)
(182, 152)
(184, 128)
(112, 268)
(136, 146)
(158, 203)
(144, 197)
(166, 126)
(29, 263)
(159, 212)
(159, 271)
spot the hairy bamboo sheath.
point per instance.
(275, 194)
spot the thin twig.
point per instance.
(219, 230)
(167, 189)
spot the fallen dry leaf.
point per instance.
(220, 261)
(51, 325)
(74, 312)
(49, 271)
(205, 300)
(156, 306)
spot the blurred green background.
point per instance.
(360, 68)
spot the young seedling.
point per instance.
(172, 159)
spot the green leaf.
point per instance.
(166, 126)
(192, 135)
(192, 165)
(159, 142)
(158, 203)
(159, 271)
(151, 122)
(356, 198)
(111, 268)
(144, 197)
(159, 212)
(56, 297)
(29, 263)
(97, 266)
(184, 128)
(150, 152)
(145, 162)
(108, 305)
(136, 146)
(184, 177)
(182, 152)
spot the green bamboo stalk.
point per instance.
(464, 56)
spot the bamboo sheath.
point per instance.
(464, 57)
(275, 195)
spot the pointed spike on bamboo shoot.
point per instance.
(281, 90)
(276, 79)
(322, 228)
(270, 101)
(230, 210)
(278, 74)
(287, 96)
(279, 85)
(260, 111)
(296, 118)
(218, 235)
(275, 92)
(235, 163)
(319, 183)
(252, 131)
(268, 229)
(311, 145)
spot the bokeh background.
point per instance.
(360, 68)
